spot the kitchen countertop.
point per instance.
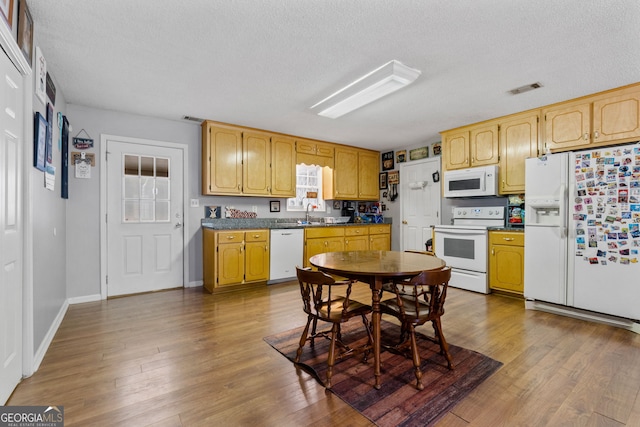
(279, 223)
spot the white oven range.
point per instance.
(464, 245)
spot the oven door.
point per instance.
(463, 248)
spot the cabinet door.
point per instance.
(368, 175)
(380, 242)
(230, 263)
(567, 126)
(455, 150)
(321, 245)
(518, 141)
(345, 174)
(256, 261)
(256, 167)
(506, 268)
(356, 243)
(283, 167)
(617, 117)
(483, 145)
(221, 160)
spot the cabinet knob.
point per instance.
(508, 239)
(596, 134)
(231, 237)
(586, 136)
(404, 222)
(493, 251)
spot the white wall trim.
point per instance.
(12, 49)
(103, 202)
(194, 284)
(48, 338)
(83, 299)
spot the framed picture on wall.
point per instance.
(25, 31)
(383, 180)
(6, 10)
(39, 141)
(387, 161)
(393, 177)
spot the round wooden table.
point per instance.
(374, 268)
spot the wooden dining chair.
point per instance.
(415, 302)
(329, 300)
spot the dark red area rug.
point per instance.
(398, 402)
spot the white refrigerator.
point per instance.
(598, 217)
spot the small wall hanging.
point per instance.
(82, 143)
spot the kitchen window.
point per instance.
(308, 189)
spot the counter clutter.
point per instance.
(270, 223)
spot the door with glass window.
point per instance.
(144, 218)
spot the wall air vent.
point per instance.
(525, 88)
(193, 119)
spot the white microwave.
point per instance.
(471, 182)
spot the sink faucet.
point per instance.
(309, 205)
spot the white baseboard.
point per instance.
(194, 284)
(46, 342)
(577, 313)
(86, 298)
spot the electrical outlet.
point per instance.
(195, 203)
(254, 209)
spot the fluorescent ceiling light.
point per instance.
(380, 82)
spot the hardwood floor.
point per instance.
(188, 358)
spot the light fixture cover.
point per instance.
(380, 82)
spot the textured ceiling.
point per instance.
(263, 63)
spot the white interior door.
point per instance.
(11, 123)
(145, 226)
(420, 205)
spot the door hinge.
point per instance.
(106, 218)
(106, 279)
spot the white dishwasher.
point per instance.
(286, 253)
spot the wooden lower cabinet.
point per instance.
(356, 238)
(380, 237)
(506, 261)
(322, 239)
(234, 258)
(347, 238)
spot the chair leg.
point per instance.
(370, 336)
(444, 347)
(332, 353)
(416, 357)
(313, 332)
(303, 339)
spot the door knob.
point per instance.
(178, 224)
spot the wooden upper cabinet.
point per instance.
(567, 125)
(256, 164)
(455, 150)
(283, 166)
(355, 175)
(221, 160)
(470, 146)
(518, 137)
(601, 119)
(314, 153)
(345, 173)
(616, 116)
(483, 145)
(368, 175)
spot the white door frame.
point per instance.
(103, 203)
